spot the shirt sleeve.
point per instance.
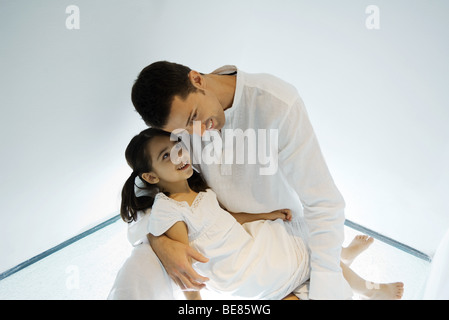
(163, 216)
(303, 165)
(138, 230)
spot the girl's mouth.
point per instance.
(183, 166)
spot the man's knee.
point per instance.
(142, 277)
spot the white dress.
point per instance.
(257, 260)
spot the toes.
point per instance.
(400, 290)
(365, 238)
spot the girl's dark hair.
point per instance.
(139, 160)
(155, 88)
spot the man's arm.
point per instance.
(303, 165)
(178, 232)
(176, 259)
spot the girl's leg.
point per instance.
(291, 296)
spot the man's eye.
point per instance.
(194, 117)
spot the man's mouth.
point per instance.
(210, 124)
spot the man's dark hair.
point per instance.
(155, 88)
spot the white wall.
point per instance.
(376, 99)
(65, 122)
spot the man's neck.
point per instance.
(224, 88)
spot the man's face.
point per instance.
(198, 106)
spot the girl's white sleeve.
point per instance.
(163, 217)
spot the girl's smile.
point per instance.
(184, 166)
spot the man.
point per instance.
(170, 96)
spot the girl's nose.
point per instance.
(183, 153)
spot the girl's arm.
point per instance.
(243, 217)
(178, 232)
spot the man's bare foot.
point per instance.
(383, 291)
(359, 244)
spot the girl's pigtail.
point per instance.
(129, 199)
(131, 204)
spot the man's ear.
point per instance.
(197, 80)
(150, 177)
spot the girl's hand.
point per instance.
(242, 217)
(284, 214)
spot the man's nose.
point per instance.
(199, 127)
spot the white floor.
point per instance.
(87, 268)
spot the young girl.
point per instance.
(251, 256)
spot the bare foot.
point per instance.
(359, 244)
(383, 291)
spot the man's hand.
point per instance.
(176, 258)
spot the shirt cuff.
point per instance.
(138, 230)
(329, 286)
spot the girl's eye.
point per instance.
(165, 156)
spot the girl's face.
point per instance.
(164, 170)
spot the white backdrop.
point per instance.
(377, 98)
